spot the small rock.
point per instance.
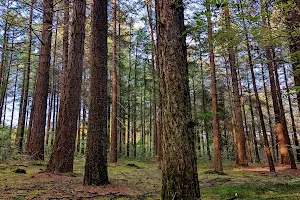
(133, 165)
(20, 171)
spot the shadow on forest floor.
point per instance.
(131, 179)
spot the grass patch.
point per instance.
(253, 191)
(135, 179)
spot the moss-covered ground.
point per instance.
(131, 179)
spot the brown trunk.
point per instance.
(134, 128)
(5, 83)
(144, 114)
(52, 98)
(120, 103)
(216, 133)
(153, 61)
(31, 117)
(4, 110)
(14, 101)
(129, 97)
(269, 115)
(241, 150)
(159, 99)
(65, 36)
(25, 88)
(292, 22)
(278, 123)
(282, 115)
(257, 158)
(179, 166)
(37, 137)
(233, 125)
(114, 129)
(62, 156)
(97, 142)
(49, 118)
(84, 122)
(246, 126)
(4, 49)
(78, 131)
(295, 137)
(204, 123)
(258, 104)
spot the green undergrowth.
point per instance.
(132, 179)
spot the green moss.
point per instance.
(253, 191)
(142, 179)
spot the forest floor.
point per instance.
(131, 179)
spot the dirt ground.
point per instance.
(142, 180)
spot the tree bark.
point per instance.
(14, 101)
(241, 150)
(282, 115)
(295, 137)
(179, 166)
(216, 132)
(62, 156)
(65, 36)
(52, 97)
(4, 49)
(246, 125)
(37, 137)
(153, 61)
(114, 121)
(292, 22)
(269, 115)
(129, 96)
(25, 88)
(97, 142)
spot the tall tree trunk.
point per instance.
(31, 116)
(52, 97)
(114, 120)
(159, 98)
(241, 150)
(84, 122)
(179, 166)
(204, 123)
(14, 101)
(4, 49)
(258, 103)
(25, 89)
(253, 125)
(278, 122)
(120, 100)
(62, 156)
(292, 22)
(144, 113)
(78, 131)
(153, 61)
(4, 109)
(65, 36)
(37, 138)
(295, 137)
(269, 113)
(282, 115)
(5, 82)
(134, 128)
(216, 132)
(97, 142)
(246, 125)
(233, 124)
(129, 96)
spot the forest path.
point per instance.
(131, 179)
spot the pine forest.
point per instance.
(150, 99)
